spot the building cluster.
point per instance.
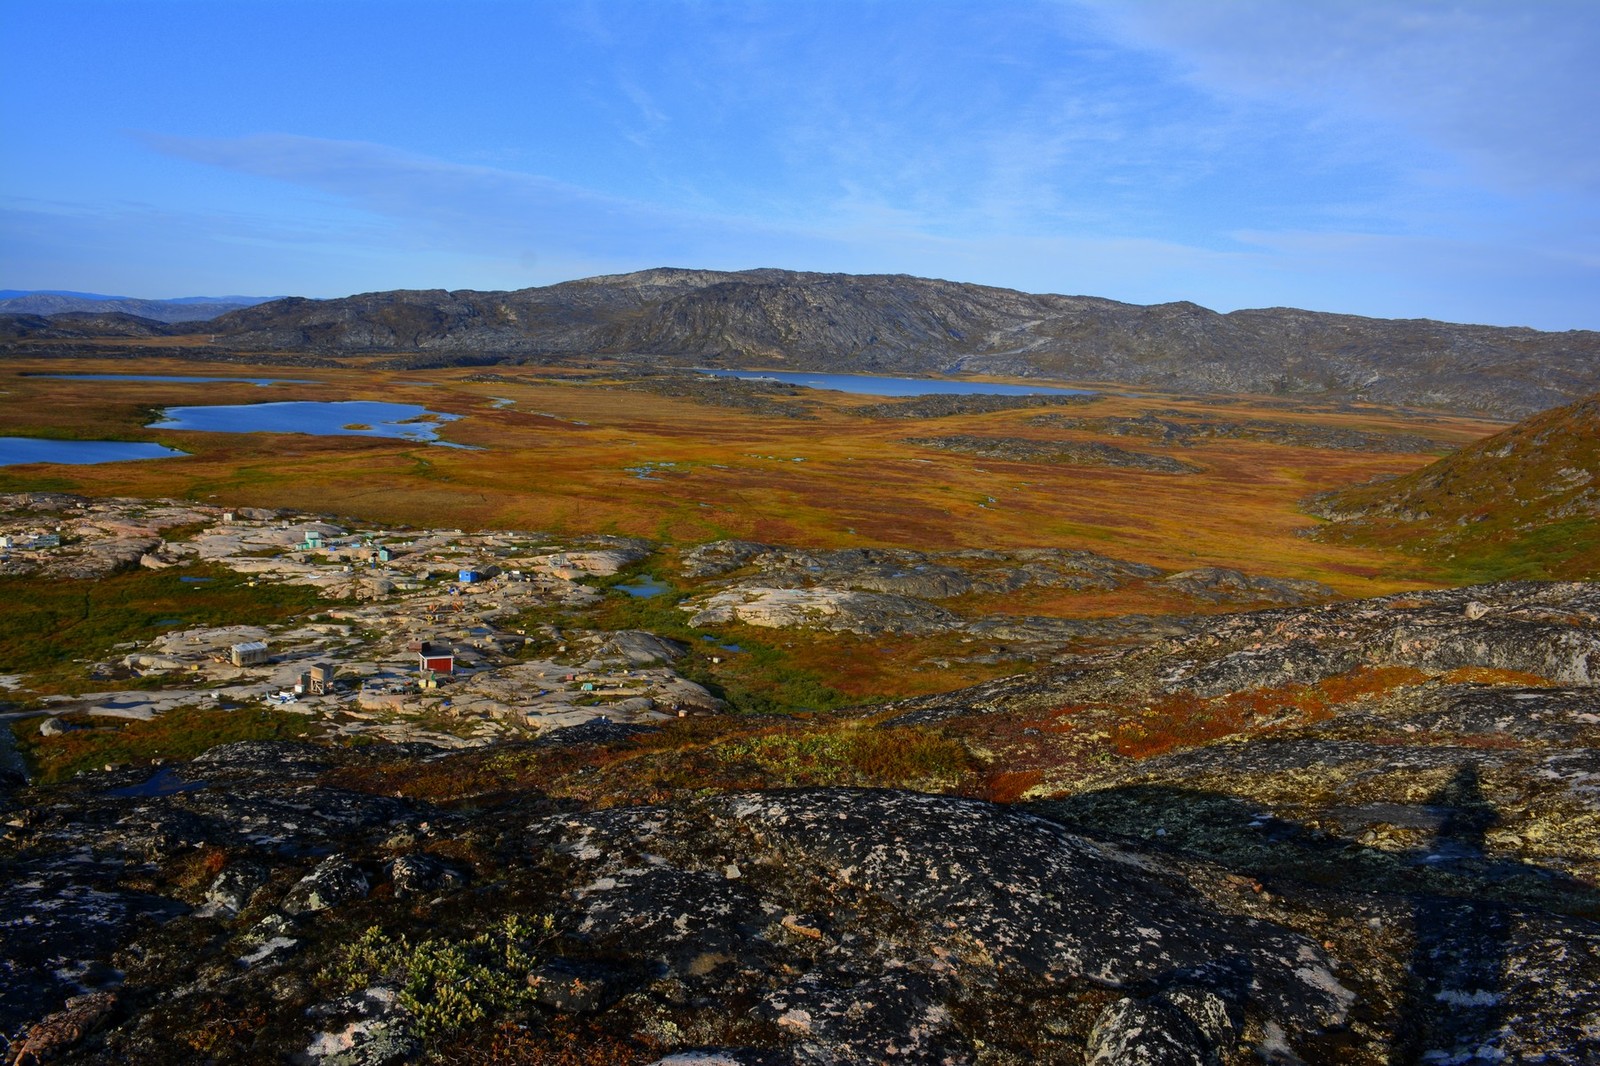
(418, 625)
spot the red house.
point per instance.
(437, 658)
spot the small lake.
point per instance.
(172, 377)
(326, 418)
(15, 450)
(872, 385)
(643, 587)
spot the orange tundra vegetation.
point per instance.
(559, 458)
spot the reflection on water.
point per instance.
(332, 418)
(872, 385)
(15, 450)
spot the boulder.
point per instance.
(421, 874)
(335, 880)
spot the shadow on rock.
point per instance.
(1453, 1010)
(1483, 942)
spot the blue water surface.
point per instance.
(872, 385)
(15, 450)
(643, 587)
(328, 418)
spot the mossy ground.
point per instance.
(50, 624)
(180, 733)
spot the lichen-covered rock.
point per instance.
(1221, 585)
(419, 874)
(834, 610)
(1562, 653)
(576, 987)
(366, 1028)
(277, 759)
(231, 891)
(335, 880)
(1132, 1032)
(638, 647)
(61, 917)
(916, 889)
(897, 1016)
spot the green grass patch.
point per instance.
(757, 679)
(48, 622)
(852, 753)
(181, 733)
(1567, 549)
(761, 679)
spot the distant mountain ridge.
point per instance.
(902, 324)
(181, 309)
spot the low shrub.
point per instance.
(446, 985)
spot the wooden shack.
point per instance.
(250, 653)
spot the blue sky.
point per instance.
(1399, 158)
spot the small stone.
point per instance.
(574, 987)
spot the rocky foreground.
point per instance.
(1354, 833)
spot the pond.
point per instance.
(326, 418)
(643, 587)
(873, 385)
(164, 782)
(173, 377)
(15, 450)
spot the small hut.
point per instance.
(250, 653)
(319, 679)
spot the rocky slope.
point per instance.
(891, 591)
(878, 323)
(1376, 842)
(1524, 502)
(79, 326)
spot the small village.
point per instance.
(426, 634)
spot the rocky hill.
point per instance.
(185, 309)
(877, 323)
(1522, 503)
(77, 325)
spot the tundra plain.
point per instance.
(977, 730)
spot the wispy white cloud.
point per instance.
(467, 205)
(1510, 87)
